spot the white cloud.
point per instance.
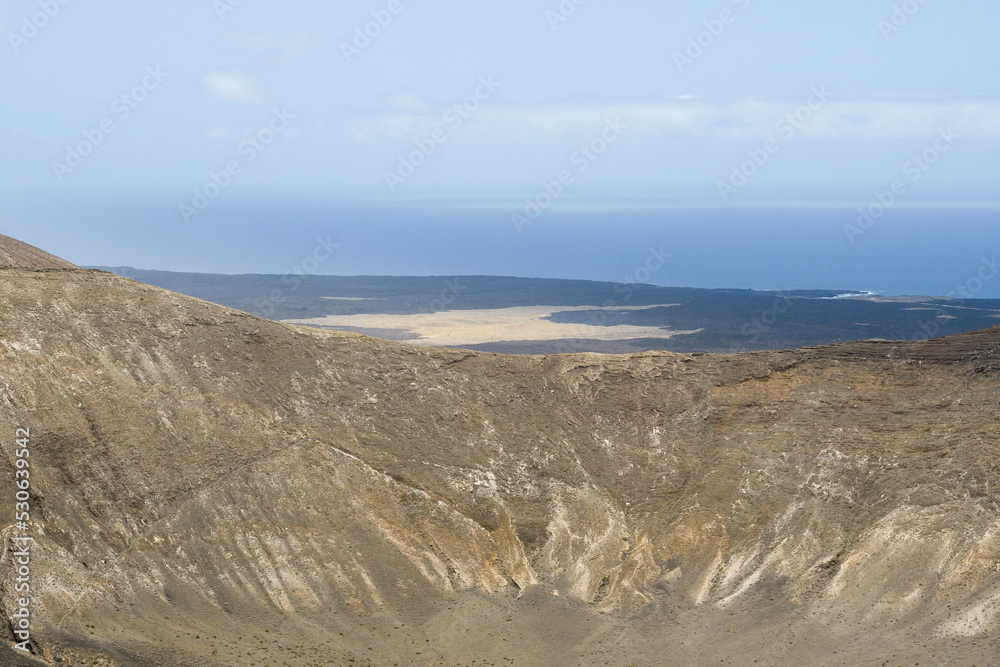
(386, 127)
(856, 119)
(21, 133)
(272, 46)
(838, 119)
(219, 133)
(230, 86)
(408, 114)
(873, 119)
(409, 101)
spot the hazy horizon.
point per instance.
(790, 245)
(849, 146)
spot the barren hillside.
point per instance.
(210, 488)
(17, 254)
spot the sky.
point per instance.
(557, 73)
(719, 103)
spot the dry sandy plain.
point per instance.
(457, 328)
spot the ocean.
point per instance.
(929, 248)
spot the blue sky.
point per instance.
(893, 74)
(749, 138)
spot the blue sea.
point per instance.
(930, 248)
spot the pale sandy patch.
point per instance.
(474, 327)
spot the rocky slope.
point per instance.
(211, 488)
(17, 254)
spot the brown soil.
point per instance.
(211, 489)
(17, 254)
